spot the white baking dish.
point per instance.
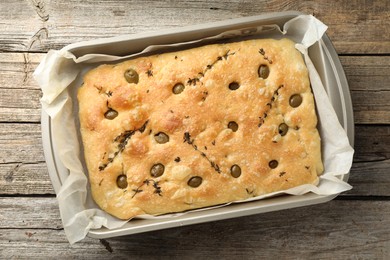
(325, 60)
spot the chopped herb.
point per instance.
(194, 80)
(142, 129)
(136, 191)
(100, 89)
(122, 141)
(249, 192)
(269, 105)
(157, 188)
(262, 52)
(227, 54)
(205, 93)
(187, 139)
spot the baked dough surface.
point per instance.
(230, 113)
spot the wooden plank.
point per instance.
(23, 171)
(35, 25)
(337, 229)
(25, 178)
(16, 70)
(367, 77)
(370, 174)
(20, 143)
(367, 179)
(20, 105)
(372, 143)
(19, 91)
(370, 179)
(32, 212)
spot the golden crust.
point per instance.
(196, 121)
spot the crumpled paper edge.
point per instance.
(60, 68)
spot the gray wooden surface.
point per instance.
(356, 225)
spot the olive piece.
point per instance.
(131, 76)
(178, 88)
(121, 181)
(233, 125)
(111, 114)
(161, 138)
(295, 100)
(234, 86)
(273, 164)
(235, 171)
(283, 129)
(263, 71)
(157, 170)
(195, 181)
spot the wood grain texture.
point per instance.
(33, 212)
(370, 179)
(367, 77)
(23, 169)
(35, 25)
(16, 70)
(25, 178)
(20, 143)
(333, 230)
(354, 226)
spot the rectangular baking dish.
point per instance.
(324, 58)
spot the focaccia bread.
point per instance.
(199, 127)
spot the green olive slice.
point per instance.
(234, 86)
(263, 71)
(111, 114)
(273, 164)
(161, 138)
(295, 100)
(233, 126)
(131, 76)
(235, 171)
(121, 181)
(157, 170)
(195, 181)
(178, 88)
(283, 129)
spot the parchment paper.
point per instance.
(61, 72)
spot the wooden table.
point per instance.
(356, 225)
